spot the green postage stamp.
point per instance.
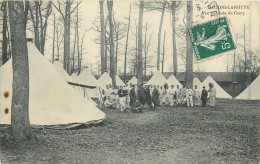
(211, 38)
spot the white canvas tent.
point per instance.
(74, 77)
(133, 80)
(86, 78)
(52, 102)
(252, 91)
(104, 80)
(59, 68)
(119, 82)
(197, 82)
(157, 79)
(74, 82)
(173, 81)
(221, 93)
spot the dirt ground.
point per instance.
(228, 133)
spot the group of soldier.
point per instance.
(151, 96)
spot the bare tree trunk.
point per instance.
(20, 124)
(245, 69)
(78, 49)
(74, 50)
(41, 27)
(116, 47)
(145, 46)
(66, 20)
(5, 39)
(233, 69)
(9, 43)
(44, 27)
(57, 43)
(76, 39)
(112, 46)
(102, 38)
(189, 52)
(106, 49)
(105, 54)
(126, 45)
(40, 24)
(140, 45)
(36, 24)
(66, 52)
(163, 54)
(81, 48)
(159, 36)
(136, 51)
(53, 41)
(174, 49)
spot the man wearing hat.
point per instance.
(204, 96)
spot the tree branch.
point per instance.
(78, 3)
(58, 9)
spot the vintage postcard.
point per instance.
(130, 81)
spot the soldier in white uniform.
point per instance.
(196, 96)
(127, 89)
(110, 100)
(189, 96)
(171, 92)
(102, 99)
(166, 95)
(212, 95)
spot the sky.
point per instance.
(250, 17)
(89, 11)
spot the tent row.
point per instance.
(159, 79)
(250, 93)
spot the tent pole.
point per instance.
(68, 129)
(89, 127)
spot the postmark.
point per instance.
(205, 10)
(211, 38)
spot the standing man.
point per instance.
(127, 90)
(141, 95)
(102, 99)
(166, 95)
(189, 97)
(212, 95)
(155, 96)
(171, 95)
(107, 91)
(183, 95)
(204, 96)
(196, 96)
(148, 96)
(122, 99)
(132, 96)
